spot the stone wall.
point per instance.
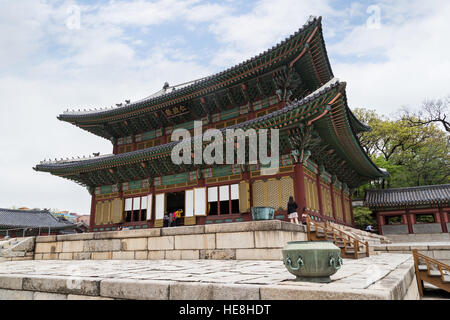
(437, 251)
(395, 229)
(256, 240)
(426, 237)
(427, 228)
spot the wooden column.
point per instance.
(443, 220)
(343, 203)
(299, 187)
(406, 219)
(319, 194)
(153, 208)
(333, 205)
(380, 219)
(92, 216)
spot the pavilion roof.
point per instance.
(149, 110)
(422, 195)
(345, 156)
(10, 218)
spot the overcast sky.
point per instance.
(391, 54)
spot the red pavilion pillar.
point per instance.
(380, 220)
(319, 194)
(333, 204)
(444, 219)
(299, 187)
(92, 216)
(407, 220)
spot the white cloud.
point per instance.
(402, 63)
(247, 35)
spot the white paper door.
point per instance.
(189, 203)
(159, 206)
(200, 201)
(128, 204)
(149, 206)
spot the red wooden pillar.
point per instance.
(151, 222)
(319, 194)
(247, 176)
(343, 203)
(299, 186)
(406, 220)
(92, 217)
(380, 219)
(444, 219)
(333, 204)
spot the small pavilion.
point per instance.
(414, 210)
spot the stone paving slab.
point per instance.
(383, 276)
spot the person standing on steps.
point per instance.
(292, 210)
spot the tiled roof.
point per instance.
(228, 74)
(437, 194)
(333, 83)
(32, 219)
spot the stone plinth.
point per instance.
(435, 250)
(381, 277)
(256, 240)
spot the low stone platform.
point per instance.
(378, 277)
(435, 250)
(256, 240)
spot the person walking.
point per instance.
(292, 210)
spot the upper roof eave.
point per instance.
(63, 168)
(98, 116)
(51, 165)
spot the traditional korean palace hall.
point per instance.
(290, 87)
(415, 210)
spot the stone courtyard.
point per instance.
(383, 276)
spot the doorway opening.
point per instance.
(176, 201)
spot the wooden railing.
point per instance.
(337, 233)
(430, 262)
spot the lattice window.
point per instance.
(287, 190)
(258, 194)
(273, 193)
(326, 201)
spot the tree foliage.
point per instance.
(413, 153)
(363, 217)
(432, 112)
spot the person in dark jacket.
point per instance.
(292, 210)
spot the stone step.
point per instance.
(423, 267)
(435, 273)
(352, 251)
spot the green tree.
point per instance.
(363, 217)
(413, 154)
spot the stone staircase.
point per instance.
(17, 249)
(432, 271)
(351, 247)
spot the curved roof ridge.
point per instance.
(198, 82)
(325, 88)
